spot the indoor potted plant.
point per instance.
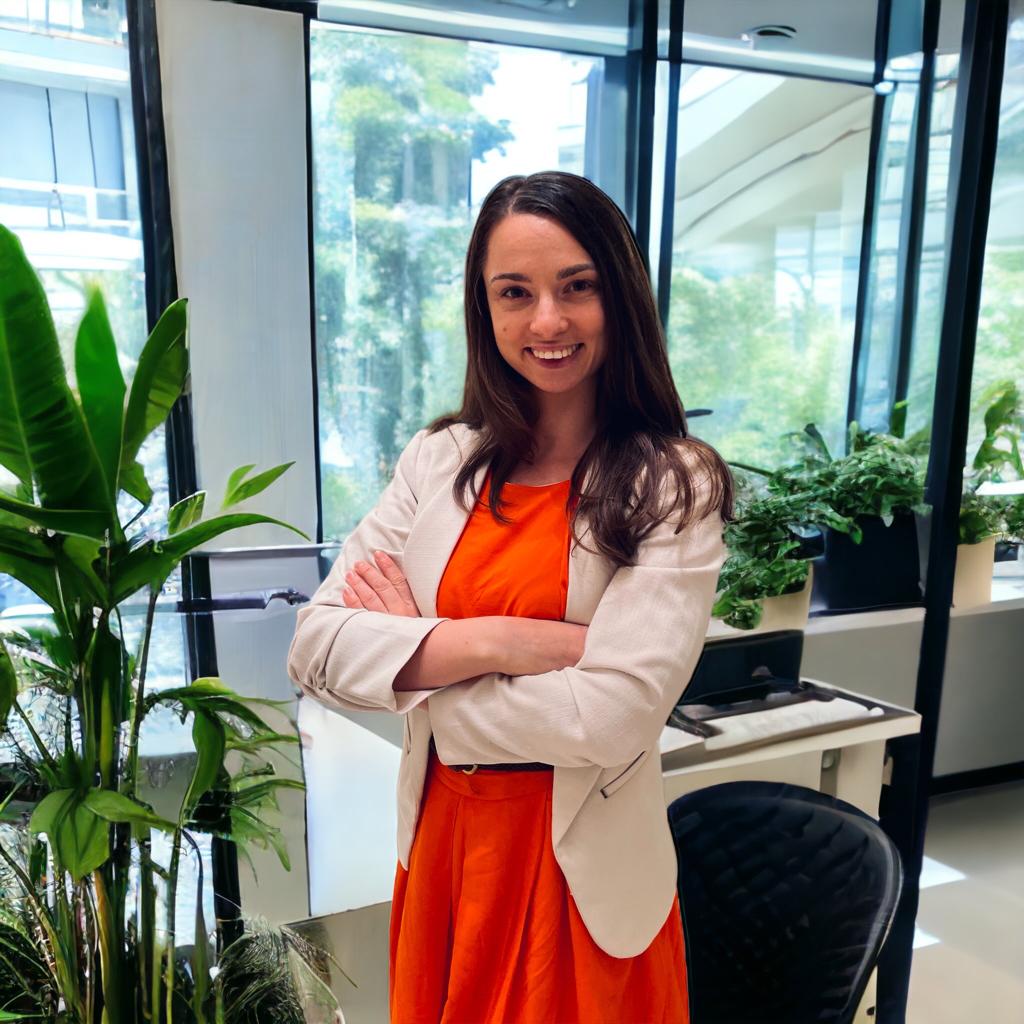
(85, 913)
(870, 557)
(765, 583)
(981, 522)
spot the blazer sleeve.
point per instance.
(349, 657)
(642, 646)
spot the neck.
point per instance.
(565, 425)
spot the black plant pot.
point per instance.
(882, 571)
(1006, 550)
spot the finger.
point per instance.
(368, 597)
(382, 587)
(348, 595)
(396, 578)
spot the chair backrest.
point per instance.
(739, 661)
(787, 895)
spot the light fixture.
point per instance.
(771, 32)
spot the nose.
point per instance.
(548, 319)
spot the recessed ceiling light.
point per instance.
(772, 31)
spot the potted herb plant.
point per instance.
(765, 583)
(981, 522)
(87, 911)
(870, 555)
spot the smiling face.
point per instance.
(544, 297)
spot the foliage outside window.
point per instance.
(769, 202)
(409, 132)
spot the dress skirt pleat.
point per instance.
(484, 929)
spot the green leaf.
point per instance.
(134, 482)
(8, 685)
(43, 437)
(81, 841)
(112, 806)
(209, 740)
(50, 810)
(151, 564)
(898, 418)
(158, 381)
(25, 557)
(238, 490)
(101, 387)
(235, 479)
(88, 522)
(186, 512)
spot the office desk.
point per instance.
(846, 760)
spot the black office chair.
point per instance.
(787, 895)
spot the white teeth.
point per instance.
(560, 353)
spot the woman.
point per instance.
(537, 878)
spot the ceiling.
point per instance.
(832, 38)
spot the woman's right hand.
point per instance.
(532, 646)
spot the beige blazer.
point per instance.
(598, 722)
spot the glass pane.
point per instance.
(999, 355)
(769, 203)
(883, 273)
(934, 244)
(103, 19)
(409, 134)
(63, 186)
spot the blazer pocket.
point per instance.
(625, 775)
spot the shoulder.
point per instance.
(438, 453)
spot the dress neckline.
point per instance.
(537, 487)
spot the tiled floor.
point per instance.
(969, 954)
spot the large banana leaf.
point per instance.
(91, 523)
(151, 564)
(101, 388)
(29, 561)
(42, 431)
(156, 385)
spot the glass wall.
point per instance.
(999, 354)
(409, 134)
(68, 184)
(68, 189)
(769, 204)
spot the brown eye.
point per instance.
(515, 288)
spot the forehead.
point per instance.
(525, 238)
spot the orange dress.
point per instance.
(483, 927)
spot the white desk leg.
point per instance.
(866, 1012)
(859, 775)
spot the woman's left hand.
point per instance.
(379, 588)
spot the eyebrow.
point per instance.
(576, 268)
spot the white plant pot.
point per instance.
(789, 611)
(972, 581)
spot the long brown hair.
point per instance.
(641, 421)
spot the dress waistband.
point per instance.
(471, 769)
(489, 785)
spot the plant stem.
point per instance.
(172, 894)
(108, 951)
(132, 759)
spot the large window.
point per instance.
(409, 134)
(999, 355)
(68, 190)
(769, 202)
